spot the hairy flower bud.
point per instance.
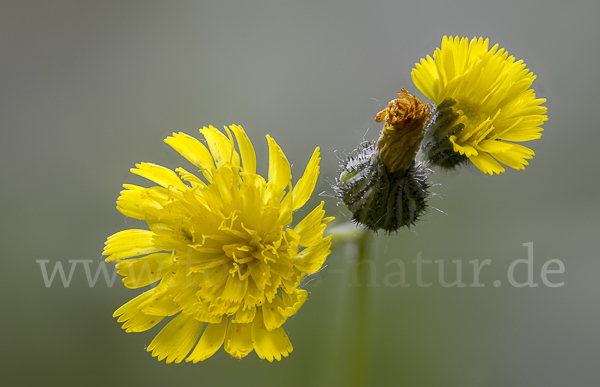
(382, 184)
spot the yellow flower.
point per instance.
(491, 95)
(225, 257)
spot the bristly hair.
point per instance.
(377, 198)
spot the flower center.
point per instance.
(243, 252)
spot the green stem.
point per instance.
(361, 353)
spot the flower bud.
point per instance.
(382, 184)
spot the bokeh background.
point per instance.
(89, 88)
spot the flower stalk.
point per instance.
(361, 354)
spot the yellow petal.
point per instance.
(523, 134)
(252, 190)
(311, 259)
(235, 289)
(220, 146)
(133, 200)
(269, 344)
(276, 312)
(244, 316)
(486, 164)
(140, 322)
(425, 76)
(235, 157)
(129, 243)
(214, 276)
(139, 272)
(176, 339)
(287, 208)
(280, 173)
(134, 320)
(210, 342)
(238, 340)
(193, 150)
(311, 227)
(307, 182)
(187, 298)
(272, 317)
(510, 160)
(160, 304)
(201, 314)
(463, 149)
(522, 151)
(160, 175)
(246, 149)
(190, 177)
(515, 157)
(293, 302)
(260, 272)
(494, 146)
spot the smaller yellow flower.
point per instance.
(490, 96)
(225, 261)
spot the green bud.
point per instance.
(380, 199)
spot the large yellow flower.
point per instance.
(228, 264)
(492, 97)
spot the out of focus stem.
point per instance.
(361, 354)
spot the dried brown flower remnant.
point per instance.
(405, 121)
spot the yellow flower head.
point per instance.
(227, 263)
(405, 121)
(491, 95)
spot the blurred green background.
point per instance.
(89, 88)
